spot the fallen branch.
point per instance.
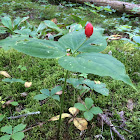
(24, 115)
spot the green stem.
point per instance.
(80, 45)
(62, 105)
(62, 98)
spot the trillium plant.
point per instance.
(80, 52)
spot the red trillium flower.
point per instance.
(89, 30)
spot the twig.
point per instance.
(24, 115)
(39, 124)
(111, 134)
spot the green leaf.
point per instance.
(1, 117)
(56, 97)
(14, 103)
(13, 40)
(75, 82)
(19, 127)
(6, 21)
(5, 137)
(40, 48)
(96, 110)
(18, 136)
(16, 22)
(101, 88)
(56, 89)
(137, 39)
(96, 43)
(98, 64)
(88, 115)
(52, 25)
(13, 80)
(45, 92)
(23, 19)
(7, 129)
(41, 26)
(80, 106)
(40, 97)
(88, 102)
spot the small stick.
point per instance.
(24, 115)
(111, 134)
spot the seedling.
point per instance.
(89, 111)
(47, 94)
(15, 133)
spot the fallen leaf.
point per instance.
(9, 102)
(97, 82)
(80, 123)
(130, 104)
(28, 84)
(64, 115)
(74, 111)
(54, 20)
(59, 92)
(4, 73)
(24, 94)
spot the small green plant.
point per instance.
(89, 111)
(14, 133)
(47, 94)
(9, 25)
(85, 57)
(22, 68)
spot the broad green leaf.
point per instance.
(45, 92)
(75, 82)
(5, 137)
(41, 26)
(13, 80)
(96, 43)
(52, 25)
(98, 64)
(41, 48)
(56, 89)
(137, 39)
(96, 110)
(9, 42)
(80, 106)
(56, 97)
(7, 129)
(18, 136)
(88, 102)
(1, 117)
(14, 103)
(40, 97)
(6, 21)
(16, 22)
(88, 115)
(101, 88)
(23, 19)
(19, 127)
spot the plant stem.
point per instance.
(80, 45)
(62, 105)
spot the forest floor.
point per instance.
(121, 106)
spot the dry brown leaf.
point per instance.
(8, 102)
(80, 123)
(24, 94)
(74, 111)
(28, 84)
(54, 20)
(64, 115)
(4, 73)
(130, 104)
(59, 92)
(97, 82)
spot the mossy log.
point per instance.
(117, 5)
